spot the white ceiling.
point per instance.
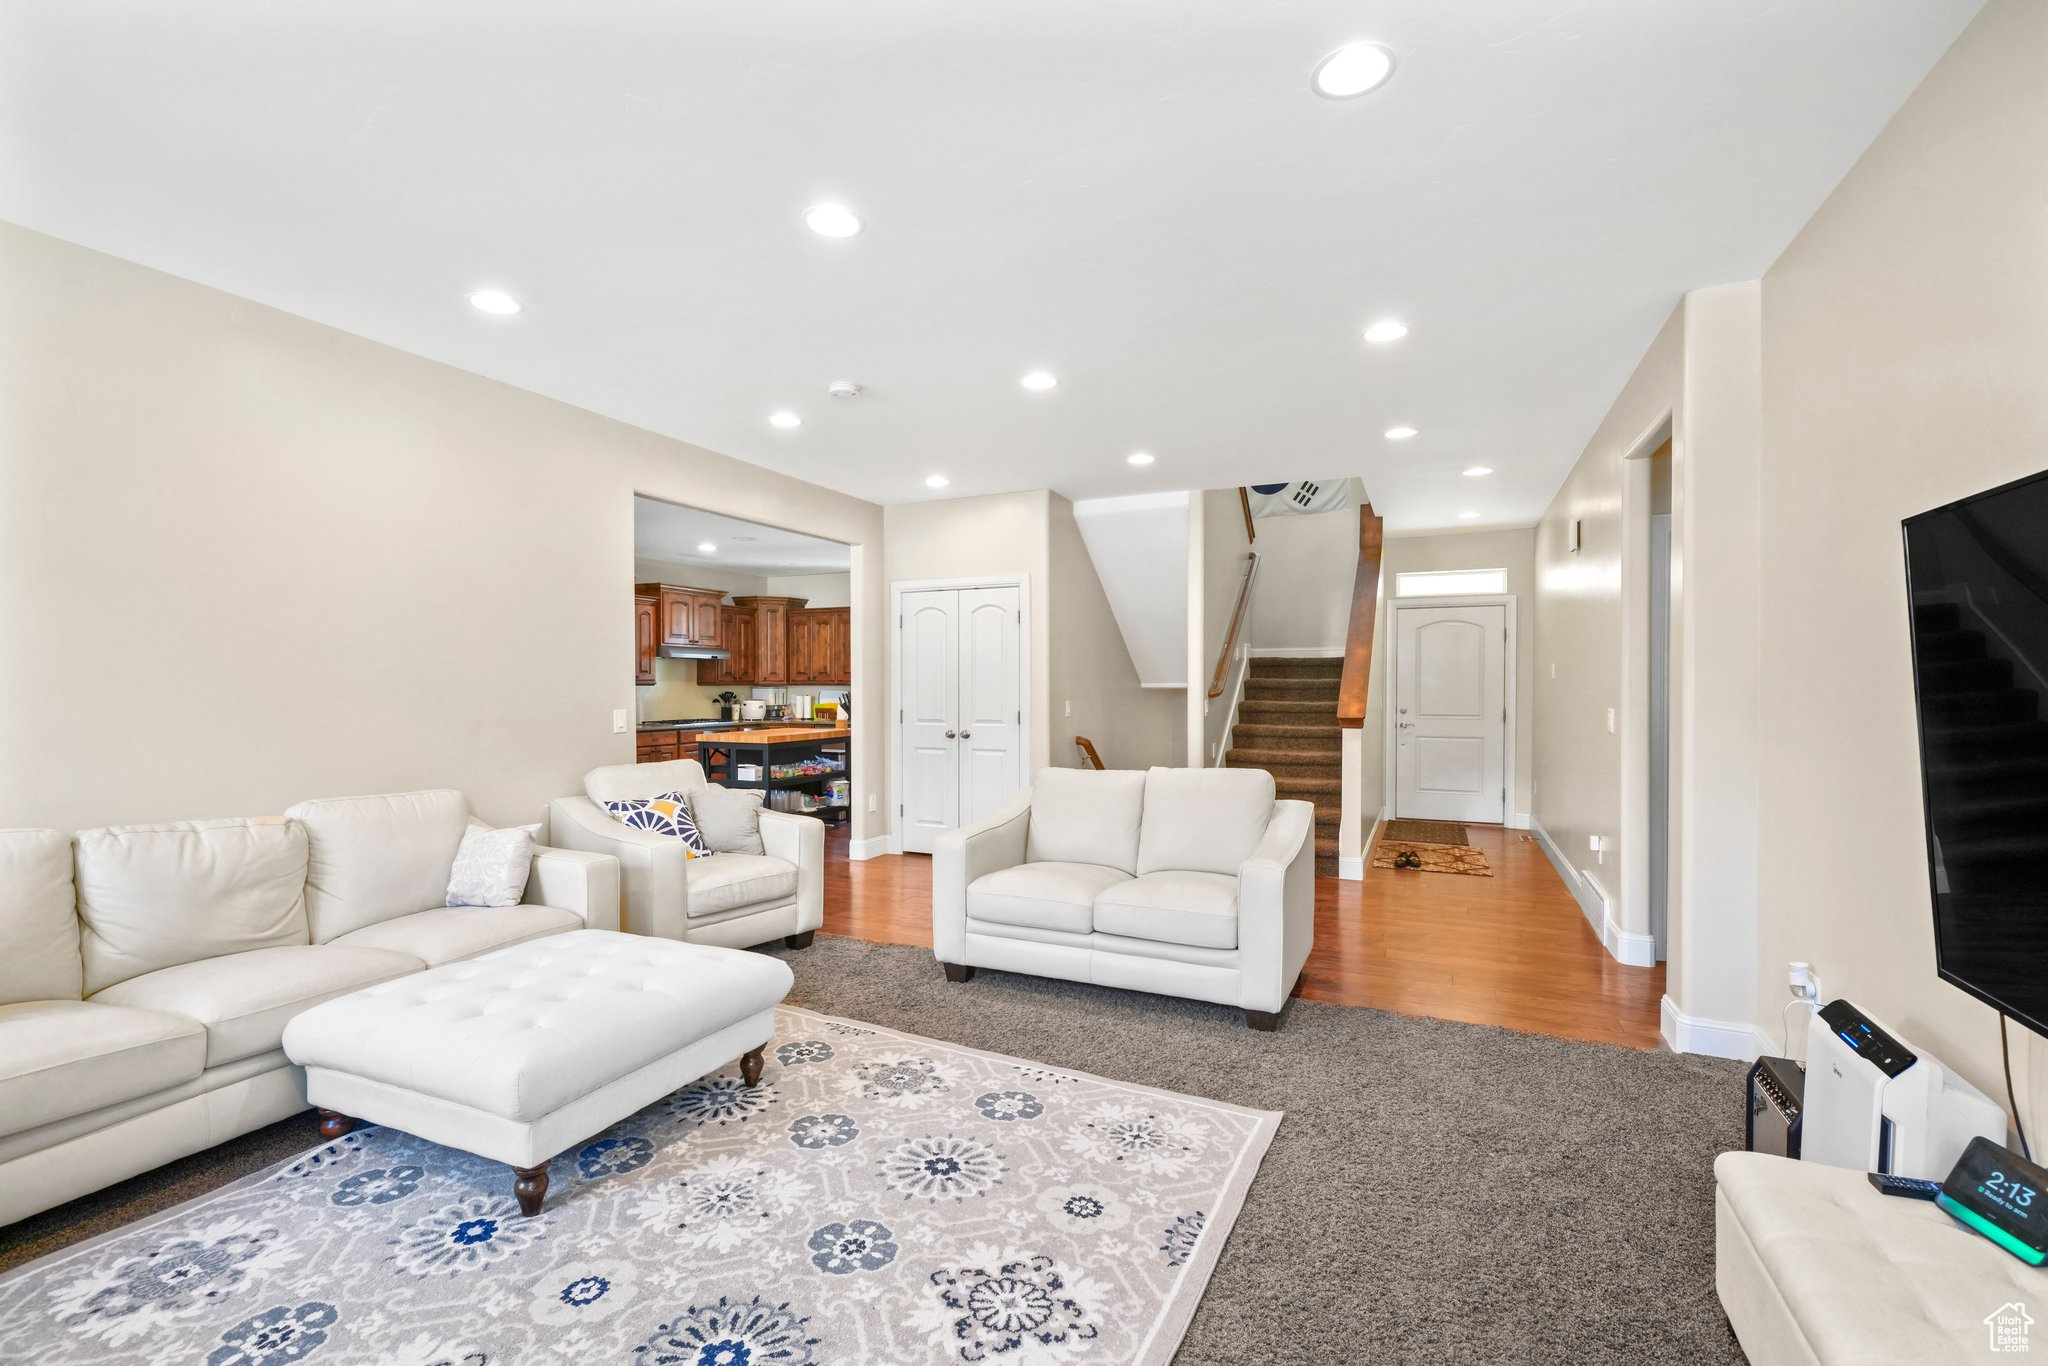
(664, 531)
(1143, 197)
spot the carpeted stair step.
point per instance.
(1319, 690)
(1306, 789)
(1283, 762)
(1332, 669)
(1304, 739)
(1288, 711)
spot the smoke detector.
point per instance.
(843, 388)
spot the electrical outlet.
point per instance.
(871, 801)
(619, 724)
(1070, 708)
(1610, 720)
(1553, 668)
(1804, 982)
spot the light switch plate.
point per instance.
(619, 724)
(1610, 720)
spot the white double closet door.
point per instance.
(959, 657)
(1450, 713)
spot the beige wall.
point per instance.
(247, 559)
(1217, 551)
(1094, 686)
(1582, 629)
(1905, 346)
(1307, 564)
(817, 590)
(1513, 550)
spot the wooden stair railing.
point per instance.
(1244, 597)
(1087, 748)
(1365, 597)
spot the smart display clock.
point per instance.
(2002, 1196)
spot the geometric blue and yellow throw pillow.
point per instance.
(667, 814)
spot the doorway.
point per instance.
(962, 674)
(1659, 580)
(1453, 712)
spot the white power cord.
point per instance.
(1786, 1024)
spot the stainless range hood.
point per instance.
(693, 652)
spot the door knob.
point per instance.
(1407, 725)
(966, 735)
(951, 735)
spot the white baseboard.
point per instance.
(1636, 950)
(1521, 821)
(1714, 1038)
(1296, 652)
(873, 847)
(1351, 869)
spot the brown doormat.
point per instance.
(1436, 858)
(1425, 832)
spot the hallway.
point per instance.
(1512, 950)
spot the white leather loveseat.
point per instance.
(1186, 881)
(732, 900)
(147, 972)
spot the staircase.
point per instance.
(1287, 725)
(1986, 756)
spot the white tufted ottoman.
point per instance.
(521, 1053)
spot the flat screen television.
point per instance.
(1977, 582)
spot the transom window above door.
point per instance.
(1445, 583)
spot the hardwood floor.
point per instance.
(1512, 949)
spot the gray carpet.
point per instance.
(1438, 1192)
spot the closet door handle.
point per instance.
(950, 735)
(966, 735)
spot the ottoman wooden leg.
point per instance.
(800, 941)
(750, 1067)
(530, 1184)
(333, 1124)
(958, 972)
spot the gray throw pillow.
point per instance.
(729, 818)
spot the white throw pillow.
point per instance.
(729, 818)
(491, 866)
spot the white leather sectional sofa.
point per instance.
(147, 972)
(1185, 881)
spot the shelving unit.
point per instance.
(724, 755)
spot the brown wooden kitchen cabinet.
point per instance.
(768, 659)
(821, 646)
(685, 616)
(736, 631)
(660, 746)
(646, 635)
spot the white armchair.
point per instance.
(1188, 882)
(733, 900)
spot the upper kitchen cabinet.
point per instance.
(769, 659)
(821, 646)
(646, 635)
(736, 632)
(685, 616)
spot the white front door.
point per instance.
(959, 654)
(1450, 713)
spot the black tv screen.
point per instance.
(1977, 579)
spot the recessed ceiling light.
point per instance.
(1479, 471)
(1399, 433)
(831, 220)
(1384, 331)
(936, 481)
(784, 420)
(1139, 458)
(706, 548)
(495, 302)
(1352, 70)
(1038, 379)
(1467, 516)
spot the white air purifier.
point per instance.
(1875, 1104)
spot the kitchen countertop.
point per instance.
(800, 733)
(655, 726)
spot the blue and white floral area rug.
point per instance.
(878, 1198)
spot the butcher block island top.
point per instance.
(776, 735)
